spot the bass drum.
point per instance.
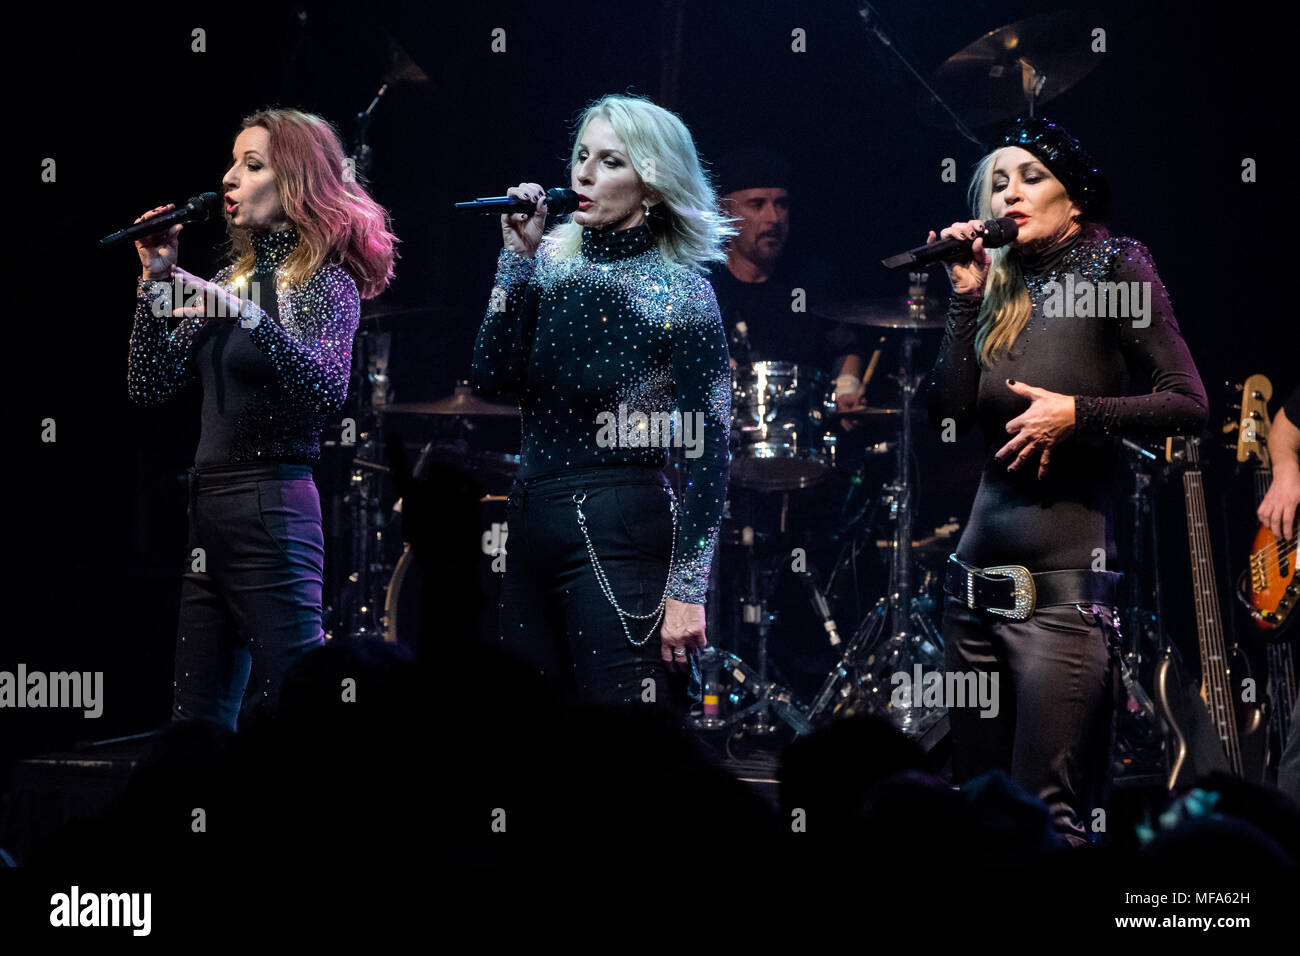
(404, 604)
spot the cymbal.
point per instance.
(389, 313)
(1029, 61)
(940, 544)
(871, 411)
(462, 402)
(889, 313)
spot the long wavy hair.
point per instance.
(336, 219)
(689, 228)
(1006, 307)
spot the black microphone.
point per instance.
(196, 209)
(558, 202)
(997, 232)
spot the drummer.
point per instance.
(765, 319)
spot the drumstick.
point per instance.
(871, 369)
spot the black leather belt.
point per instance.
(1013, 591)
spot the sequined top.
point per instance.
(1063, 520)
(267, 390)
(601, 349)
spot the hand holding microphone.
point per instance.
(968, 273)
(522, 231)
(158, 251)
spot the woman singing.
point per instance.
(611, 338)
(271, 343)
(1046, 377)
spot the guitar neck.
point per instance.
(1216, 685)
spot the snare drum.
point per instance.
(779, 435)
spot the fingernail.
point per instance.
(1011, 381)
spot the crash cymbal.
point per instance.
(463, 402)
(889, 313)
(1015, 68)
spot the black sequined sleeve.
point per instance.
(953, 392)
(702, 379)
(504, 339)
(159, 360)
(311, 345)
(1154, 345)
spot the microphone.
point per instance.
(997, 232)
(558, 202)
(820, 606)
(196, 209)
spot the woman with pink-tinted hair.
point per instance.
(270, 341)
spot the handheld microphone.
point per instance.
(997, 232)
(558, 202)
(196, 209)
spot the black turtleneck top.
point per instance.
(591, 342)
(1059, 522)
(267, 389)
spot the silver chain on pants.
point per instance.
(603, 581)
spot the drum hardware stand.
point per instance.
(361, 599)
(1139, 749)
(896, 634)
(756, 612)
(768, 696)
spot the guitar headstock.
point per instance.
(1247, 431)
(1183, 450)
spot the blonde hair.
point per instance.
(336, 219)
(1006, 308)
(690, 230)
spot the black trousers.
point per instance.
(555, 614)
(1057, 686)
(251, 593)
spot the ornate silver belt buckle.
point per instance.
(1022, 582)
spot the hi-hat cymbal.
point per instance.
(889, 313)
(1030, 61)
(462, 402)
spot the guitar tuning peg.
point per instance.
(1229, 427)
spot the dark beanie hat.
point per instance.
(751, 169)
(1067, 159)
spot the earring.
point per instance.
(645, 206)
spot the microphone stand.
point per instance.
(362, 156)
(871, 23)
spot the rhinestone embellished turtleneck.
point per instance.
(614, 331)
(268, 389)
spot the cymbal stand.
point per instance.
(896, 634)
(361, 603)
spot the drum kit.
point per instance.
(786, 441)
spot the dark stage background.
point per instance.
(134, 119)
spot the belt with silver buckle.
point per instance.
(1013, 591)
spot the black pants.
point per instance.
(554, 613)
(251, 594)
(1057, 686)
